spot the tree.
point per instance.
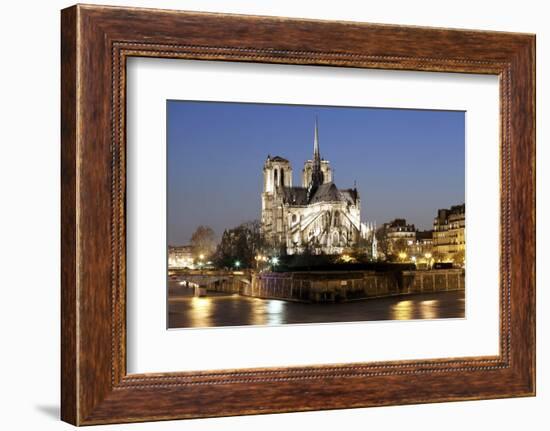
(400, 246)
(383, 240)
(459, 257)
(203, 241)
(241, 244)
(361, 250)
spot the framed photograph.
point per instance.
(265, 215)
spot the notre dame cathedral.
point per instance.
(316, 217)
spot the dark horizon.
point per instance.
(406, 163)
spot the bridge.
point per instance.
(212, 280)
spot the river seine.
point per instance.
(218, 309)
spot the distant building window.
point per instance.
(275, 176)
(293, 218)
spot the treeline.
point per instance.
(238, 247)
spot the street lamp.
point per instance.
(237, 264)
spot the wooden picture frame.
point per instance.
(95, 43)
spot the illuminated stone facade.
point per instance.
(400, 235)
(180, 257)
(449, 242)
(317, 217)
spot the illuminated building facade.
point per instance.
(449, 242)
(316, 217)
(180, 257)
(400, 235)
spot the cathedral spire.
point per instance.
(317, 177)
(316, 173)
(316, 155)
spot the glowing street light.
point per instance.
(346, 258)
(237, 263)
(274, 260)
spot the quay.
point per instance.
(324, 286)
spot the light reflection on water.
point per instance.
(186, 311)
(402, 310)
(200, 312)
(407, 309)
(275, 312)
(428, 309)
(258, 312)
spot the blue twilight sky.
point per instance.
(407, 163)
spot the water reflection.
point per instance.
(258, 316)
(428, 309)
(216, 309)
(200, 312)
(403, 310)
(275, 312)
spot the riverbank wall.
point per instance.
(342, 286)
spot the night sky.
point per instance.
(407, 163)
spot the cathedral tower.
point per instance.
(277, 176)
(277, 173)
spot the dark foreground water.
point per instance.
(186, 311)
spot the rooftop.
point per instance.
(277, 159)
(327, 192)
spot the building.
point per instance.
(421, 251)
(449, 243)
(423, 244)
(180, 257)
(316, 217)
(403, 240)
(399, 235)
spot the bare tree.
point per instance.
(203, 241)
(400, 246)
(383, 240)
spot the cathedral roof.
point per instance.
(278, 159)
(351, 195)
(295, 195)
(327, 192)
